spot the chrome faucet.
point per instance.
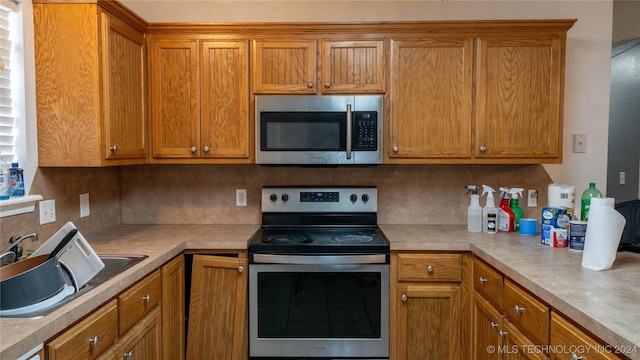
(15, 241)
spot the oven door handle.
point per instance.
(320, 259)
(349, 131)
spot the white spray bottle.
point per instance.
(474, 211)
(489, 212)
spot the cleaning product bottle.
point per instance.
(517, 210)
(16, 185)
(474, 211)
(586, 200)
(506, 217)
(5, 180)
(489, 211)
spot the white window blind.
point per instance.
(6, 109)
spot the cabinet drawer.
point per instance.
(88, 338)
(137, 301)
(527, 312)
(566, 336)
(487, 282)
(429, 267)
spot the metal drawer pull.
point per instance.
(240, 268)
(146, 298)
(206, 149)
(576, 357)
(404, 298)
(517, 309)
(430, 269)
(493, 325)
(502, 333)
(114, 148)
(128, 355)
(194, 149)
(483, 280)
(95, 341)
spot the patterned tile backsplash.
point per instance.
(205, 194)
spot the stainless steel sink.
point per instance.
(113, 265)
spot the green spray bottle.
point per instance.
(513, 204)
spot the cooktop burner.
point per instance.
(353, 239)
(285, 239)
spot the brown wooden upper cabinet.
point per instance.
(199, 100)
(90, 85)
(291, 66)
(491, 94)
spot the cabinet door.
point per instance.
(428, 322)
(218, 308)
(519, 98)
(353, 66)
(173, 317)
(144, 341)
(516, 346)
(486, 323)
(431, 92)
(570, 342)
(284, 66)
(175, 98)
(225, 117)
(123, 89)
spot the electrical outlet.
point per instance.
(47, 211)
(241, 197)
(84, 205)
(579, 143)
(623, 177)
(532, 198)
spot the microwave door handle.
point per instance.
(349, 124)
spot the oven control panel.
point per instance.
(319, 199)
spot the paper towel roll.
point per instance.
(604, 229)
(561, 195)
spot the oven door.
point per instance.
(324, 309)
(331, 130)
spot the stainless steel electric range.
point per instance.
(319, 276)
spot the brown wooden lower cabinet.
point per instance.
(142, 342)
(429, 316)
(570, 342)
(218, 308)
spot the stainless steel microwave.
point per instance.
(318, 130)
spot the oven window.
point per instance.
(281, 131)
(319, 305)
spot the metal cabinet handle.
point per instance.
(404, 298)
(517, 309)
(349, 130)
(429, 269)
(146, 298)
(502, 333)
(206, 149)
(483, 280)
(576, 357)
(240, 268)
(483, 148)
(327, 84)
(193, 149)
(395, 149)
(95, 341)
(114, 148)
(310, 84)
(493, 325)
(128, 355)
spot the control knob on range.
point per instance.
(365, 197)
(273, 197)
(353, 198)
(285, 197)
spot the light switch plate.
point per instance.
(47, 211)
(84, 205)
(241, 197)
(580, 143)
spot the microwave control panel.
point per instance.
(365, 131)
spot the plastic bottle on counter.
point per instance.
(591, 192)
(489, 211)
(506, 217)
(5, 180)
(16, 184)
(474, 211)
(515, 207)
